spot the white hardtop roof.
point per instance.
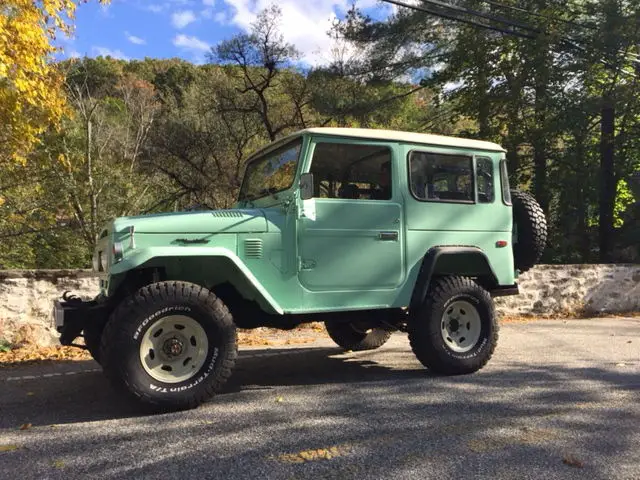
(406, 137)
(389, 135)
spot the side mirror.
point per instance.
(306, 186)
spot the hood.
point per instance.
(212, 221)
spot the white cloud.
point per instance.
(191, 43)
(221, 18)
(207, 13)
(183, 18)
(304, 24)
(73, 54)
(135, 40)
(107, 52)
(209, 3)
(155, 8)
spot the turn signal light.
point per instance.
(118, 252)
(501, 243)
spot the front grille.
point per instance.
(253, 248)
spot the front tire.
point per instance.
(171, 346)
(455, 332)
(352, 337)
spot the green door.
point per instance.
(351, 236)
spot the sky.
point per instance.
(135, 29)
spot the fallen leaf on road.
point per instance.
(25, 426)
(313, 455)
(8, 448)
(572, 461)
(279, 399)
(621, 364)
(58, 464)
(28, 354)
(30, 394)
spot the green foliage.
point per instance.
(5, 346)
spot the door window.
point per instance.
(346, 171)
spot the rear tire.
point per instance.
(170, 346)
(350, 337)
(455, 332)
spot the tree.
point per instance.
(31, 95)
(258, 61)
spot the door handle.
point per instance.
(388, 236)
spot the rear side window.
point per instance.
(484, 180)
(441, 178)
(504, 181)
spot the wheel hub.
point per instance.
(461, 326)
(173, 347)
(454, 326)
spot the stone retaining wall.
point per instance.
(26, 296)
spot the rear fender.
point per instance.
(467, 261)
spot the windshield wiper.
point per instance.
(268, 191)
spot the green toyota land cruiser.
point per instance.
(368, 231)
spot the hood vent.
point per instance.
(253, 248)
(226, 214)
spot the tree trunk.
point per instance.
(92, 191)
(607, 179)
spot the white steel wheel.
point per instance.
(461, 326)
(174, 349)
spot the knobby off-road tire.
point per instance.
(455, 332)
(350, 337)
(171, 346)
(531, 227)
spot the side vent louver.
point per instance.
(226, 214)
(253, 248)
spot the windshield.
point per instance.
(272, 173)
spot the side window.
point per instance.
(438, 177)
(347, 171)
(504, 181)
(484, 180)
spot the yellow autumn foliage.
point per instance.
(31, 95)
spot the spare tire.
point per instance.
(530, 226)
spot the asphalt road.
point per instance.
(560, 399)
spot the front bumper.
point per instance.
(72, 316)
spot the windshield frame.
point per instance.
(269, 154)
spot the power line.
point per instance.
(554, 19)
(539, 15)
(567, 41)
(476, 13)
(458, 19)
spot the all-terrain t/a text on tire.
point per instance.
(172, 345)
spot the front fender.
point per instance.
(157, 256)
